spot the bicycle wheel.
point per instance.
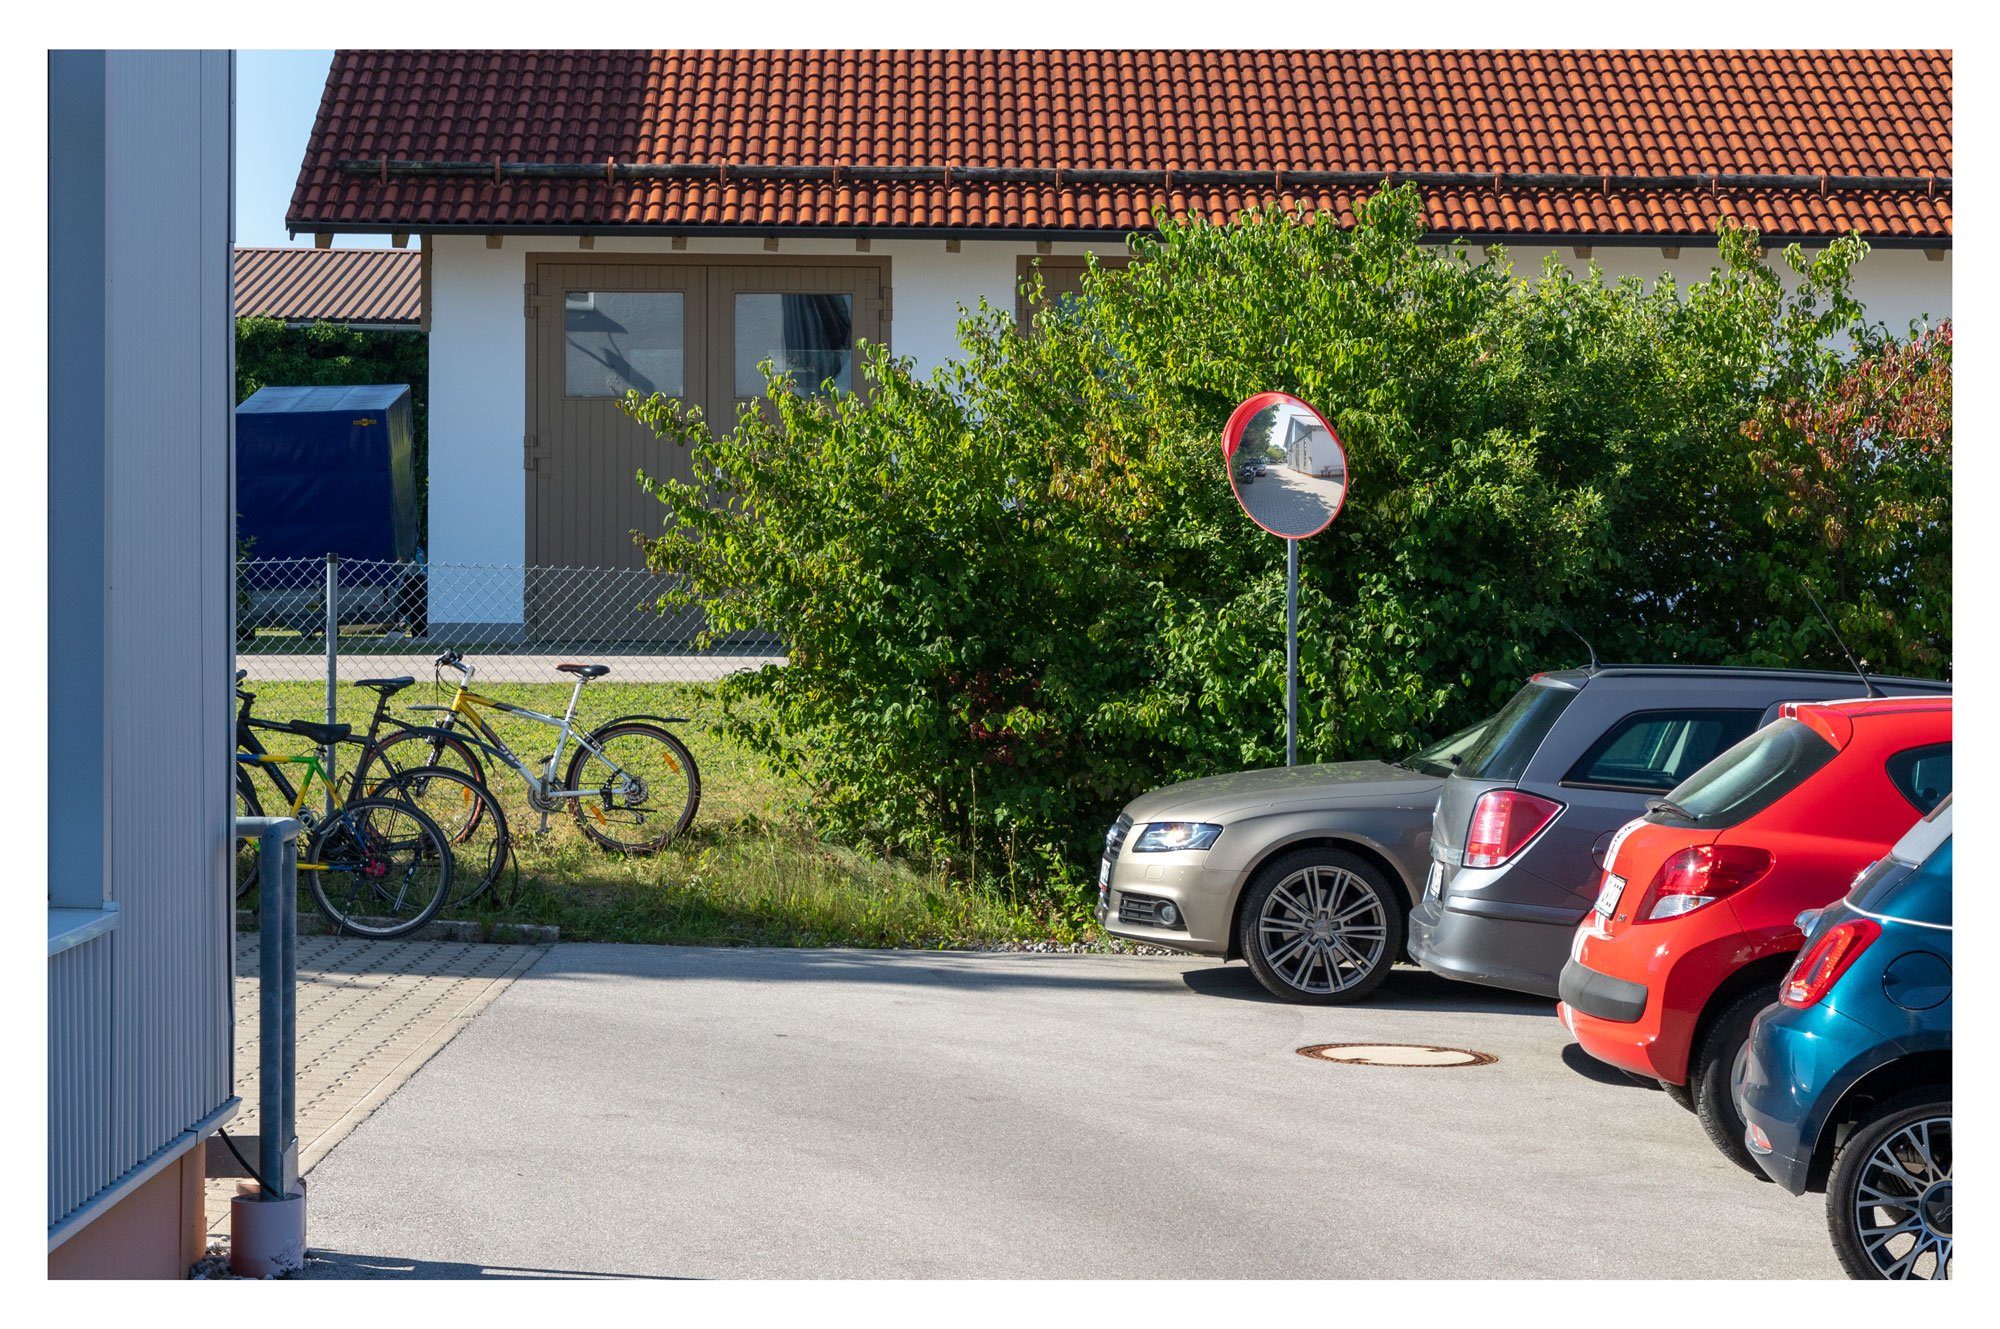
(639, 784)
(412, 746)
(378, 868)
(247, 805)
(470, 818)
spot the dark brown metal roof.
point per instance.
(371, 287)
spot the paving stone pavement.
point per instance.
(370, 1013)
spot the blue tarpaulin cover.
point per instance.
(327, 470)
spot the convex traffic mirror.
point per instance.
(1286, 465)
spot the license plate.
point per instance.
(1103, 874)
(1434, 884)
(1607, 895)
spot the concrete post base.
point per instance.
(266, 1237)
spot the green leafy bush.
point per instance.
(1859, 483)
(1017, 590)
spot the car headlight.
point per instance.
(1168, 836)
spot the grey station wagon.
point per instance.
(1522, 825)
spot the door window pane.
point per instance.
(811, 337)
(1659, 749)
(615, 340)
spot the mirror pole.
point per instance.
(1291, 652)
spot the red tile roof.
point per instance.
(366, 286)
(684, 140)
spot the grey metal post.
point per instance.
(1291, 652)
(277, 1014)
(332, 662)
(288, 1009)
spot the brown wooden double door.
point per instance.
(689, 327)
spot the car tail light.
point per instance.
(1700, 876)
(1826, 960)
(1503, 821)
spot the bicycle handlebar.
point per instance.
(454, 660)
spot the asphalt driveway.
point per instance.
(665, 1111)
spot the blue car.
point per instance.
(1847, 1084)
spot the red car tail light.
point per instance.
(1826, 960)
(1700, 876)
(1503, 821)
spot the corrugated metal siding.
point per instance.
(150, 1038)
(80, 1041)
(374, 286)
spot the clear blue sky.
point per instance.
(277, 95)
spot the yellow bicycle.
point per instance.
(375, 867)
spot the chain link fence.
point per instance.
(337, 620)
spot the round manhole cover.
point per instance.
(1396, 1054)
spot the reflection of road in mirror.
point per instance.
(1290, 502)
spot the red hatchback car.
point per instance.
(1694, 927)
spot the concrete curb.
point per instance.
(438, 929)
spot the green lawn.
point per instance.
(750, 871)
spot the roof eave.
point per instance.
(1633, 240)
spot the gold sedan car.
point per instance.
(1306, 872)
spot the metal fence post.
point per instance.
(332, 661)
(277, 1014)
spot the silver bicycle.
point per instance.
(630, 783)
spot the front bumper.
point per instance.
(1203, 896)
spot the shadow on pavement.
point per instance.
(1407, 988)
(1590, 1068)
(970, 971)
(342, 1264)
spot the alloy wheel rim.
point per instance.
(1902, 1202)
(1322, 929)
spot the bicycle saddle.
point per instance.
(388, 687)
(585, 671)
(319, 733)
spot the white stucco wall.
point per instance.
(478, 358)
(1897, 285)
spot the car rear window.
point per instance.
(1922, 775)
(1916, 895)
(1656, 750)
(1748, 778)
(1503, 752)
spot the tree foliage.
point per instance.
(1858, 485)
(1017, 590)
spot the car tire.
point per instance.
(1918, 1114)
(1680, 1094)
(1289, 930)
(1711, 1073)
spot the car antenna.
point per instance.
(1595, 663)
(1866, 682)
